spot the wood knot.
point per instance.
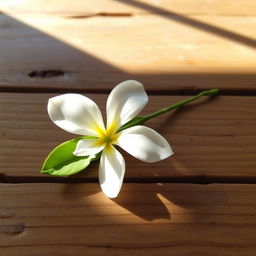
(46, 73)
(12, 229)
(5, 215)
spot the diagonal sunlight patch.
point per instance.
(146, 45)
(178, 213)
(70, 32)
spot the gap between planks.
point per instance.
(176, 92)
(201, 180)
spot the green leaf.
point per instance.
(62, 162)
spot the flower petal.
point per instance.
(87, 147)
(124, 102)
(144, 144)
(75, 113)
(111, 171)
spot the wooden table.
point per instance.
(202, 200)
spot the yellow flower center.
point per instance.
(107, 137)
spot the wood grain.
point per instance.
(171, 46)
(212, 138)
(165, 51)
(147, 219)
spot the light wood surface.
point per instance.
(214, 137)
(200, 201)
(165, 51)
(150, 219)
(63, 7)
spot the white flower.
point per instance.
(80, 115)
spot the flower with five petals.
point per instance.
(80, 115)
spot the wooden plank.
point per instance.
(147, 219)
(50, 51)
(211, 138)
(79, 7)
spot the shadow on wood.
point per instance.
(194, 23)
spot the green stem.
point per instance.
(142, 119)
